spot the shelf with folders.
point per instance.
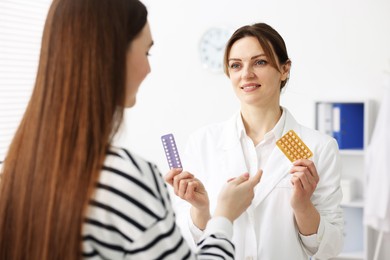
(350, 122)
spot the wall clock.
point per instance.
(212, 47)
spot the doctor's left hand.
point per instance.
(304, 179)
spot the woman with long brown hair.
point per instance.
(66, 192)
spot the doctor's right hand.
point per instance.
(236, 196)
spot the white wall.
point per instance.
(339, 50)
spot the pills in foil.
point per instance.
(293, 147)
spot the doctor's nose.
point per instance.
(247, 72)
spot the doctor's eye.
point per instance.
(234, 66)
(261, 62)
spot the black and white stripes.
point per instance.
(130, 217)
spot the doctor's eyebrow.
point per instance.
(252, 58)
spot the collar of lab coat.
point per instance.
(275, 132)
(230, 134)
(277, 167)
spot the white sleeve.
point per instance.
(312, 242)
(327, 199)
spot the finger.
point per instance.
(179, 177)
(176, 183)
(183, 187)
(186, 175)
(303, 178)
(298, 169)
(192, 186)
(191, 189)
(302, 169)
(312, 180)
(256, 179)
(229, 180)
(240, 179)
(171, 174)
(296, 182)
(310, 165)
(313, 171)
(305, 163)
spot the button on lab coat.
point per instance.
(214, 155)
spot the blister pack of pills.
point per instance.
(171, 152)
(293, 147)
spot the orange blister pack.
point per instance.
(293, 147)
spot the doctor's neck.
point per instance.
(259, 121)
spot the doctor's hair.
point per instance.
(55, 158)
(270, 40)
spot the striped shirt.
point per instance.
(130, 217)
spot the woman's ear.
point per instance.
(286, 70)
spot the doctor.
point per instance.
(296, 210)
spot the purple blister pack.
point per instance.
(171, 151)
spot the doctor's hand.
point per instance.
(304, 179)
(236, 196)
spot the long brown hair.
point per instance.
(270, 40)
(77, 103)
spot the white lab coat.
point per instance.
(214, 155)
(377, 203)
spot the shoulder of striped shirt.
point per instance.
(124, 153)
(121, 156)
(140, 163)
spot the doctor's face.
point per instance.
(255, 81)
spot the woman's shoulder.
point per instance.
(124, 168)
(133, 178)
(119, 156)
(130, 197)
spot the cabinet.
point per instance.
(351, 123)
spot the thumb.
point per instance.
(240, 179)
(171, 174)
(256, 179)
